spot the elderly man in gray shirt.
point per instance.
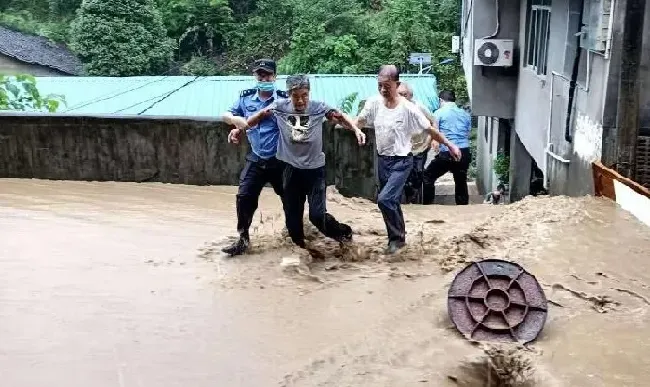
(300, 147)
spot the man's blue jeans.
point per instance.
(393, 173)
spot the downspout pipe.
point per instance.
(574, 80)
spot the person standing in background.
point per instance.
(261, 165)
(455, 123)
(421, 145)
(395, 120)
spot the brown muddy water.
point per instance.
(120, 284)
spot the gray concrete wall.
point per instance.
(163, 150)
(536, 110)
(542, 102)
(483, 159)
(491, 139)
(492, 90)
(12, 66)
(487, 146)
(520, 169)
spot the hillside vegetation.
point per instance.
(221, 37)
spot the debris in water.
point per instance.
(600, 303)
(497, 366)
(292, 261)
(496, 300)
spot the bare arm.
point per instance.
(441, 139)
(360, 122)
(236, 121)
(259, 116)
(435, 133)
(342, 118)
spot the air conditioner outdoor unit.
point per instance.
(493, 52)
(597, 19)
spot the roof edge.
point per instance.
(37, 63)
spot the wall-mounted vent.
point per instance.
(596, 19)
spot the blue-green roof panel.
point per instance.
(202, 96)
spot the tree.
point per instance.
(20, 93)
(266, 33)
(121, 38)
(199, 26)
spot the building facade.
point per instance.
(578, 91)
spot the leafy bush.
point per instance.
(502, 167)
(199, 66)
(121, 38)
(471, 171)
(20, 93)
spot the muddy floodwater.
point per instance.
(123, 284)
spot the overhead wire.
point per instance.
(139, 103)
(169, 94)
(109, 95)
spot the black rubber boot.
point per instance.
(238, 248)
(346, 234)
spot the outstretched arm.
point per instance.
(237, 121)
(441, 139)
(421, 122)
(235, 116)
(259, 116)
(341, 118)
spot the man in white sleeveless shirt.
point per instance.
(395, 120)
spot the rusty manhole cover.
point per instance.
(496, 300)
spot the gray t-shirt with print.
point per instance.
(301, 134)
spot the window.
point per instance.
(538, 32)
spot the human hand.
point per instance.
(266, 112)
(239, 123)
(361, 137)
(234, 136)
(435, 146)
(455, 152)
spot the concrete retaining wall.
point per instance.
(169, 150)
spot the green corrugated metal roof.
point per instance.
(202, 96)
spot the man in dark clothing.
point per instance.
(455, 123)
(261, 165)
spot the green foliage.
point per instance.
(20, 93)
(121, 38)
(25, 21)
(199, 26)
(347, 103)
(266, 33)
(127, 37)
(199, 66)
(471, 171)
(502, 167)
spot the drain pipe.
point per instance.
(549, 151)
(574, 79)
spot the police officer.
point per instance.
(261, 165)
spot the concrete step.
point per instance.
(445, 191)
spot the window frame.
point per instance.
(538, 36)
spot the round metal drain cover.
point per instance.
(496, 300)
